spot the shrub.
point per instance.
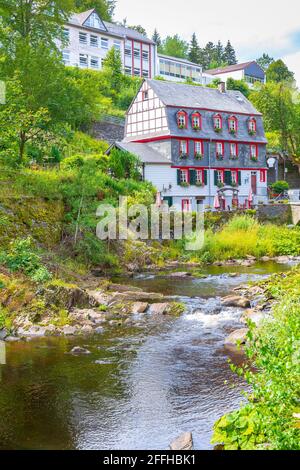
(279, 187)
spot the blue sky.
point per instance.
(253, 27)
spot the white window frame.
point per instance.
(198, 147)
(217, 122)
(104, 43)
(184, 177)
(94, 41)
(234, 177)
(235, 152)
(183, 146)
(253, 150)
(199, 176)
(83, 56)
(117, 45)
(220, 176)
(232, 124)
(83, 38)
(219, 149)
(94, 59)
(66, 57)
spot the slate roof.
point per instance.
(190, 96)
(78, 19)
(230, 68)
(145, 153)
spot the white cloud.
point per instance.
(253, 27)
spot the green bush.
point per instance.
(22, 257)
(279, 187)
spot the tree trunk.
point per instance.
(22, 146)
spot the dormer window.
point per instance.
(182, 120)
(232, 125)
(252, 126)
(218, 123)
(196, 121)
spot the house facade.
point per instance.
(251, 72)
(181, 70)
(196, 143)
(88, 40)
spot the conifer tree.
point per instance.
(229, 54)
(156, 38)
(194, 50)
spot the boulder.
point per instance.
(123, 288)
(255, 317)
(33, 332)
(65, 296)
(95, 317)
(233, 274)
(179, 275)
(3, 334)
(97, 298)
(236, 301)
(283, 259)
(137, 296)
(237, 337)
(69, 330)
(12, 339)
(159, 309)
(87, 330)
(77, 350)
(139, 307)
(183, 442)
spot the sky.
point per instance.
(253, 27)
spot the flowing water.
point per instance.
(140, 387)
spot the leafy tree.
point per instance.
(34, 22)
(112, 66)
(139, 29)
(229, 54)
(156, 38)
(195, 50)
(239, 85)
(105, 8)
(174, 46)
(265, 61)
(279, 72)
(124, 164)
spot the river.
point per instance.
(141, 386)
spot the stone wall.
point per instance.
(276, 213)
(109, 129)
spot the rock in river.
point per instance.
(77, 350)
(236, 301)
(237, 337)
(183, 442)
(139, 307)
(159, 309)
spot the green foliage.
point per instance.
(174, 46)
(113, 69)
(5, 320)
(21, 257)
(280, 186)
(267, 421)
(265, 61)
(124, 164)
(278, 72)
(105, 8)
(239, 85)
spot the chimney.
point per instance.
(222, 87)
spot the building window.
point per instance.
(199, 177)
(66, 57)
(83, 60)
(145, 56)
(95, 62)
(93, 40)
(234, 178)
(263, 176)
(233, 125)
(66, 33)
(220, 150)
(94, 22)
(218, 122)
(117, 45)
(219, 177)
(184, 176)
(196, 121)
(104, 43)
(137, 52)
(145, 73)
(198, 148)
(182, 120)
(137, 72)
(145, 95)
(253, 152)
(186, 205)
(128, 70)
(252, 126)
(233, 150)
(128, 50)
(183, 148)
(82, 38)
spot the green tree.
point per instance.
(265, 61)
(104, 8)
(124, 164)
(139, 29)
(279, 72)
(156, 38)
(239, 85)
(229, 54)
(112, 66)
(174, 46)
(195, 50)
(219, 54)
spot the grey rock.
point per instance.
(139, 307)
(236, 301)
(77, 350)
(237, 337)
(69, 330)
(183, 442)
(12, 339)
(159, 309)
(183, 274)
(99, 330)
(3, 334)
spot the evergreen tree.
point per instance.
(219, 54)
(229, 54)
(195, 50)
(156, 38)
(112, 66)
(208, 55)
(265, 61)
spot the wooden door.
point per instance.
(254, 182)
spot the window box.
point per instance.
(218, 130)
(199, 156)
(252, 132)
(220, 184)
(218, 123)
(183, 156)
(200, 184)
(254, 158)
(252, 126)
(196, 127)
(184, 184)
(181, 126)
(233, 157)
(232, 131)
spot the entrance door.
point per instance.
(200, 206)
(254, 182)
